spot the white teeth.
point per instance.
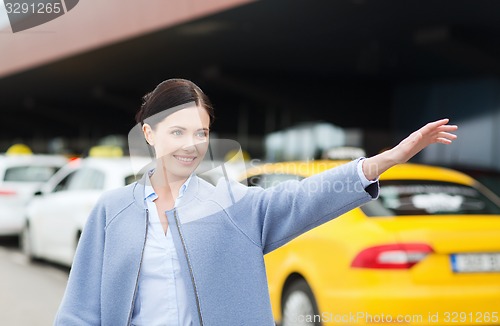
(185, 159)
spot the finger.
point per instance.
(447, 128)
(439, 122)
(444, 141)
(447, 135)
(431, 126)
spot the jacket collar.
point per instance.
(189, 193)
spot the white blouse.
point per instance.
(161, 295)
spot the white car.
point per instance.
(20, 177)
(57, 214)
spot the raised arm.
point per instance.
(434, 132)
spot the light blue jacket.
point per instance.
(221, 234)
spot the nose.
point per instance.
(190, 144)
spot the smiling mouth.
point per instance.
(185, 159)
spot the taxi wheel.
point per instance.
(26, 243)
(299, 307)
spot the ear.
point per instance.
(148, 134)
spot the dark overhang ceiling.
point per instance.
(269, 54)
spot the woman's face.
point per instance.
(180, 140)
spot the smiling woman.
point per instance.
(173, 249)
(176, 119)
(180, 141)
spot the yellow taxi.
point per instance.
(426, 252)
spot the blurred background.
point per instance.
(289, 79)
(382, 68)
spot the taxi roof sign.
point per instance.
(19, 149)
(106, 151)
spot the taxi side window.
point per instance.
(270, 180)
(63, 184)
(254, 181)
(132, 178)
(87, 179)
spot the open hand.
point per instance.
(434, 132)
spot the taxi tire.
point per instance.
(298, 302)
(26, 244)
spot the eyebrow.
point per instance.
(179, 127)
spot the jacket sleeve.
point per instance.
(285, 211)
(81, 303)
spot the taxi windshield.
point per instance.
(423, 197)
(29, 173)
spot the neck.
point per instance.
(165, 183)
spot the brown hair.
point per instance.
(169, 94)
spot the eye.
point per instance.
(176, 132)
(202, 134)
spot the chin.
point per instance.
(184, 172)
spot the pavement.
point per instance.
(30, 293)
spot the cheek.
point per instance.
(203, 147)
(167, 147)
